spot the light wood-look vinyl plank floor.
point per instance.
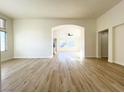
(62, 73)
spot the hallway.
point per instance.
(64, 72)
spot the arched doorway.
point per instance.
(69, 38)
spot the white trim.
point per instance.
(90, 57)
(111, 61)
(119, 63)
(98, 57)
(49, 57)
(6, 60)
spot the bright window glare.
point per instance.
(2, 23)
(67, 43)
(3, 41)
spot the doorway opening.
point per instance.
(103, 44)
(69, 39)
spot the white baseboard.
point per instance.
(98, 57)
(48, 57)
(111, 61)
(119, 63)
(90, 57)
(7, 60)
(116, 62)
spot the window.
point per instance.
(2, 35)
(2, 23)
(3, 41)
(68, 43)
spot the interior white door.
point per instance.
(119, 45)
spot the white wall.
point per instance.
(9, 53)
(110, 19)
(33, 37)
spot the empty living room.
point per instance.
(62, 45)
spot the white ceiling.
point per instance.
(55, 8)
